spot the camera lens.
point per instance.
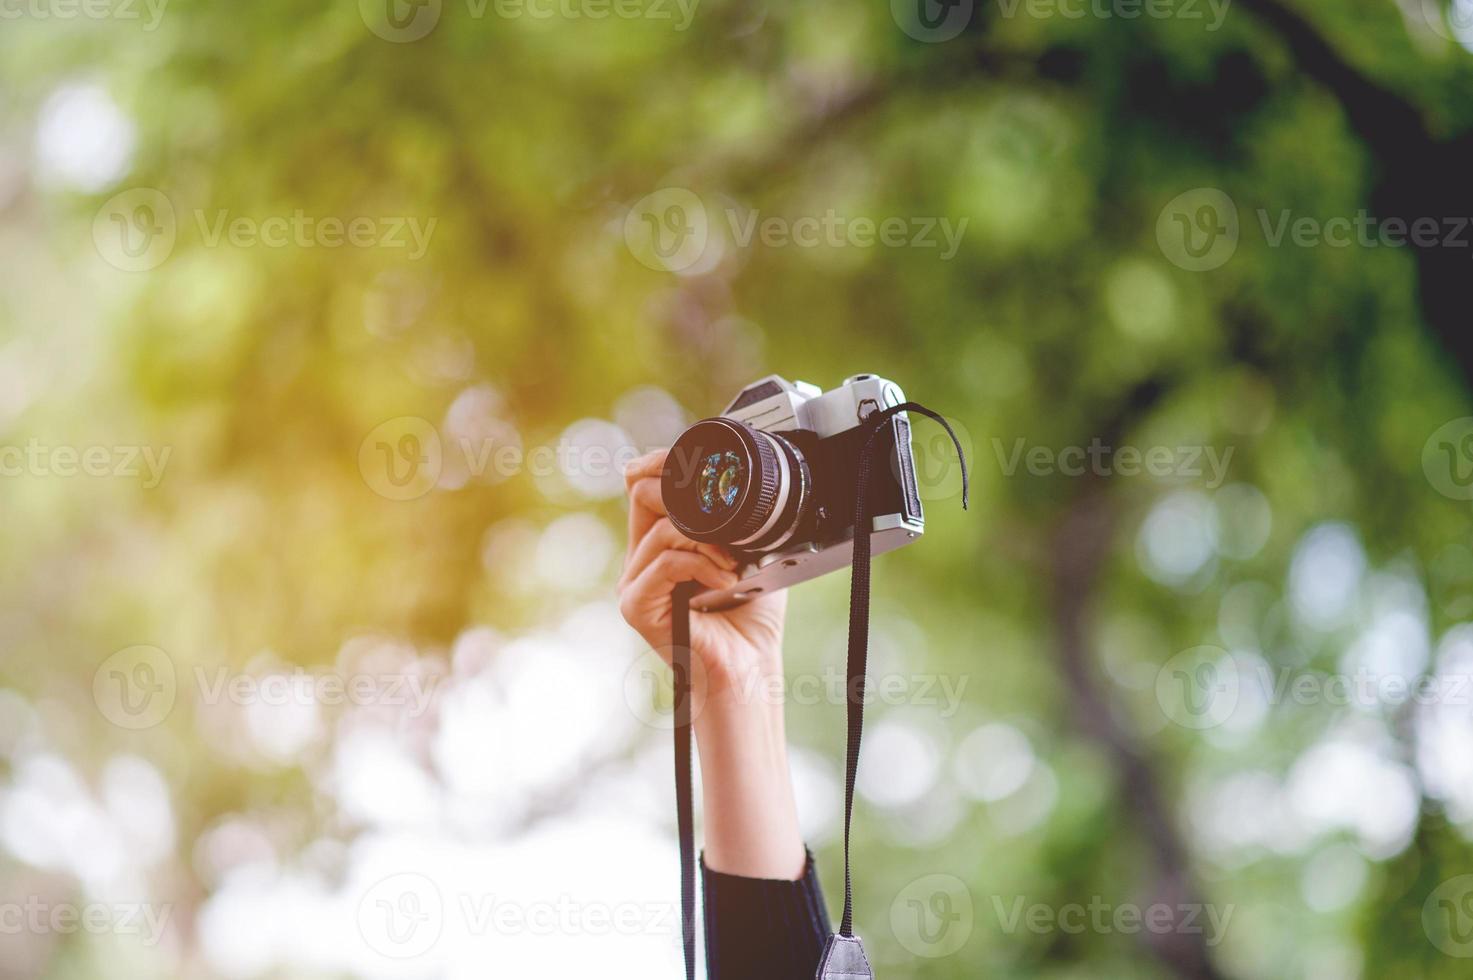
(728, 483)
(721, 478)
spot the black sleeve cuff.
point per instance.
(758, 927)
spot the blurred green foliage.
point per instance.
(527, 141)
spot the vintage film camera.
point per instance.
(773, 480)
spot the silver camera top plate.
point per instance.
(775, 404)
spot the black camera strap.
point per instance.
(843, 956)
(680, 666)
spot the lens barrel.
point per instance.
(728, 483)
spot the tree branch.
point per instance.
(1079, 548)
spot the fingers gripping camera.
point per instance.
(772, 478)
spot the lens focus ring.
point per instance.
(725, 482)
(767, 485)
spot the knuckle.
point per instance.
(649, 494)
(673, 561)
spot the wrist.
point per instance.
(734, 729)
(746, 685)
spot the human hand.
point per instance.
(737, 650)
(751, 820)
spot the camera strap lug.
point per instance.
(844, 959)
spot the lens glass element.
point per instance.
(721, 481)
(725, 482)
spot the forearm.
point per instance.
(751, 819)
(765, 914)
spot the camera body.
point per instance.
(773, 479)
